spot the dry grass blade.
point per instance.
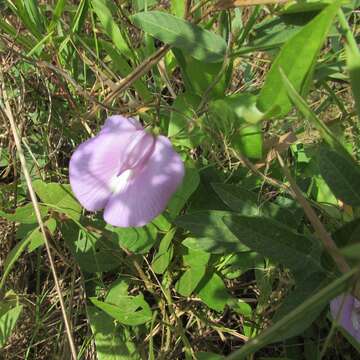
(9, 115)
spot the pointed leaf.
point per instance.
(353, 63)
(342, 174)
(8, 318)
(112, 342)
(202, 44)
(297, 58)
(278, 242)
(213, 235)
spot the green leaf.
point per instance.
(130, 310)
(201, 44)
(245, 108)
(277, 242)
(237, 198)
(240, 108)
(183, 128)
(347, 234)
(140, 5)
(197, 260)
(212, 291)
(304, 7)
(178, 8)
(235, 265)
(36, 238)
(31, 240)
(294, 321)
(162, 223)
(112, 342)
(296, 58)
(58, 196)
(353, 64)
(9, 314)
(243, 308)
(211, 232)
(164, 255)
(183, 112)
(25, 214)
(12, 257)
(245, 202)
(249, 141)
(189, 280)
(199, 75)
(189, 185)
(103, 11)
(272, 33)
(136, 240)
(93, 252)
(342, 175)
(351, 251)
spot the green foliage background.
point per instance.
(261, 102)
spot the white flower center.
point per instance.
(119, 183)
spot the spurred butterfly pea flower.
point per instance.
(126, 171)
(345, 309)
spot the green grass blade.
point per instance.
(34, 12)
(79, 17)
(353, 64)
(59, 8)
(304, 108)
(39, 45)
(23, 14)
(22, 40)
(108, 23)
(8, 318)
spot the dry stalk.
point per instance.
(9, 115)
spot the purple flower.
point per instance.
(345, 309)
(126, 171)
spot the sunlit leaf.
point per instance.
(296, 58)
(202, 44)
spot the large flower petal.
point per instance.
(95, 163)
(120, 123)
(148, 189)
(345, 310)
